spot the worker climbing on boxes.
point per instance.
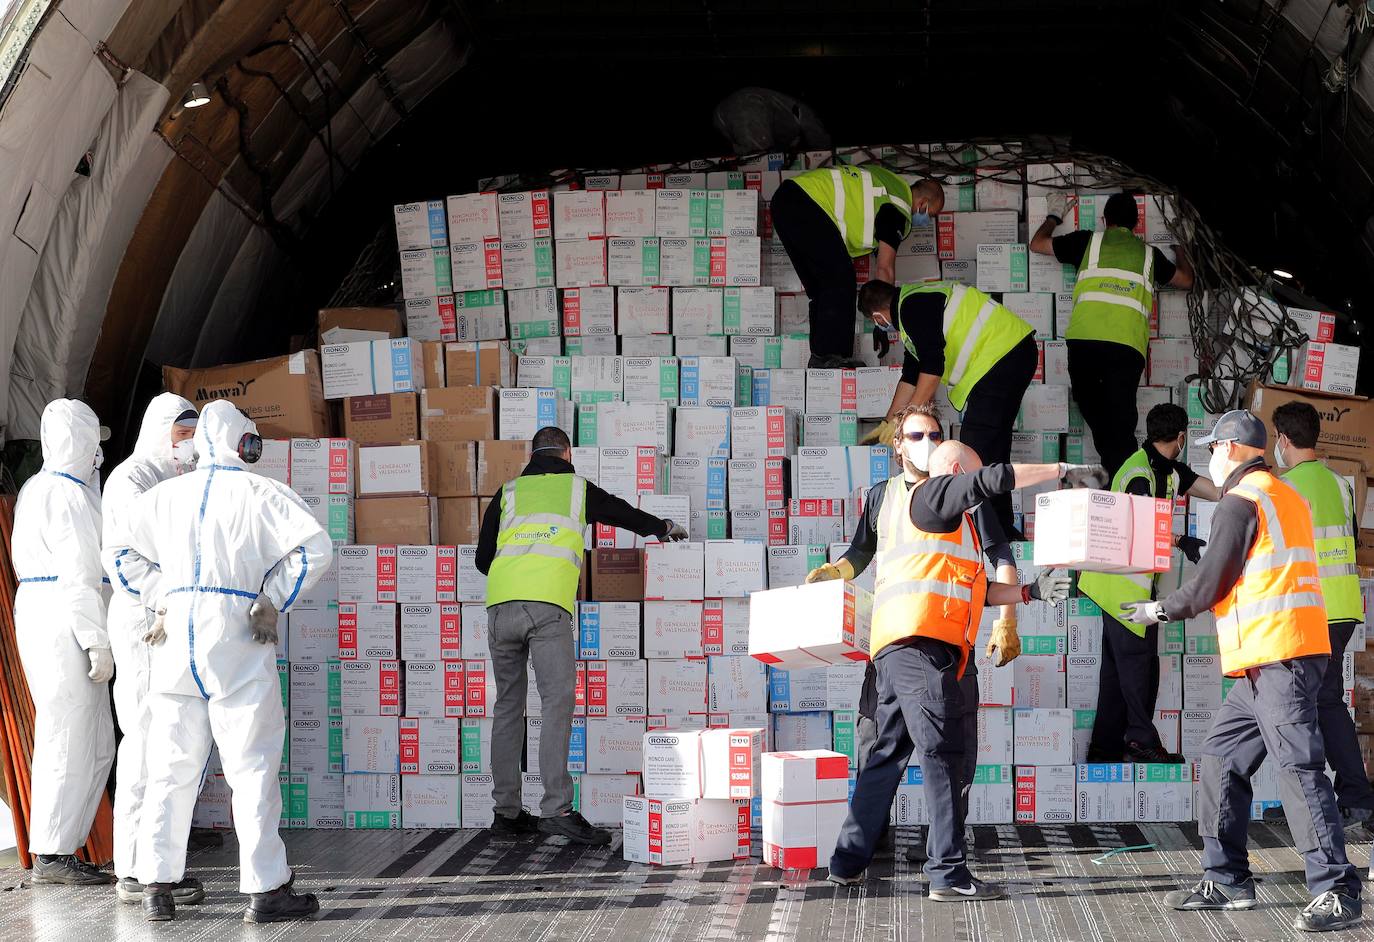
(1123, 728)
(957, 335)
(830, 216)
(530, 549)
(1260, 577)
(1109, 329)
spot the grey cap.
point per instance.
(1238, 426)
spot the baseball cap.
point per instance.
(1238, 426)
(188, 418)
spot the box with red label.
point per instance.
(479, 689)
(426, 686)
(832, 391)
(370, 688)
(958, 235)
(805, 799)
(734, 568)
(730, 762)
(683, 831)
(674, 571)
(589, 312)
(757, 483)
(768, 527)
(371, 744)
(475, 266)
(672, 629)
(1328, 367)
(430, 746)
(725, 626)
(815, 521)
(321, 466)
(432, 631)
(611, 688)
(1317, 325)
(762, 432)
(629, 472)
(807, 626)
(1046, 794)
(1103, 531)
(735, 260)
(426, 574)
(367, 573)
(367, 630)
(524, 215)
(677, 687)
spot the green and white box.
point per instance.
(1003, 267)
(632, 260)
(680, 213)
(372, 802)
(650, 379)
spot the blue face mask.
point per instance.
(920, 218)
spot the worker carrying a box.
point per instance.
(1109, 329)
(959, 336)
(221, 551)
(929, 594)
(1334, 525)
(1260, 578)
(1124, 729)
(530, 547)
(59, 626)
(830, 216)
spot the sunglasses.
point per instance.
(1212, 446)
(918, 436)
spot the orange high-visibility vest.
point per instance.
(1275, 611)
(928, 585)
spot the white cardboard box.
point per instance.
(672, 763)
(367, 630)
(736, 684)
(651, 379)
(762, 432)
(392, 470)
(671, 629)
(734, 568)
(810, 625)
(698, 311)
(430, 746)
(672, 832)
(524, 215)
(431, 801)
(701, 432)
(1329, 367)
(1106, 792)
(432, 631)
(958, 235)
(420, 225)
(600, 798)
(1103, 531)
(1045, 793)
(589, 312)
(472, 217)
(1003, 267)
(677, 688)
(321, 466)
(1043, 737)
(580, 263)
(371, 744)
(631, 212)
(579, 214)
(757, 484)
(804, 803)
(611, 745)
(478, 805)
(674, 571)
(370, 688)
(426, 273)
(372, 802)
(1163, 792)
(608, 630)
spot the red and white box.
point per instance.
(677, 688)
(479, 689)
(430, 746)
(682, 831)
(367, 630)
(1046, 794)
(1317, 325)
(730, 763)
(815, 521)
(1103, 531)
(321, 466)
(432, 631)
(674, 572)
(805, 799)
(725, 626)
(426, 574)
(762, 432)
(524, 215)
(611, 688)
(757, 483)
(1328, 367)
(370, 688)
(367, 573)
(806, 626)
(832, 391)
(589, 312)
(476, 266)
(427, 687)
(736, 261)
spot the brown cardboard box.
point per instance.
(1347, 422)
(432, 359)
(342, 324)
(499, 462)
(283, 395)
(458, 414)
(395, 469)
(1364, 548)
(390, 417)
(459, 521)
(409, 521)
(617, 575)
(1352, 470)
(455, 470)
(484, 363)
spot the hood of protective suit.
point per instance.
(70, 435)
(155, 434)
(218, 433)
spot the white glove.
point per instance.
(1057, 205)
(1083, 475)
(676, 532)
(1143, 613)
(102, 665)
(1051, 585)
(262, 621)
(157, 633)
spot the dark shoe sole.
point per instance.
(576, 838)
(1297, 924)
(845, 881)
(257, 918)
(49, 881)
(159, 917)
(1234, 906)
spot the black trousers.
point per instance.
(822, 262)
(1128, 687)
(990, 414)
(1338, 729)
(1104, 377)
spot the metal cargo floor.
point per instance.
(464, 885)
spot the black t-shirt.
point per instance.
(1070, 249)
(889, 225)
(1162, 467)
(923, 318)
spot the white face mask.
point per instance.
(1217, 466)
(1280, 458)
(918, 453)
(99, 457)
(184, 455)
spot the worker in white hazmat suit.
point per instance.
(231, 550)
(59, 615)
(164, 449)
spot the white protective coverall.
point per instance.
(59, 615)
(150, 464)
(220, 535)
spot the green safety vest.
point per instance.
(1115, 291)
(978, 333)
(1332, 510)
(539, 546)
(852, 196)
(1111, 590)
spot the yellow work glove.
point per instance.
(882, 435)
(1005, 641)
(827, 571)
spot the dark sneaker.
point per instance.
(1099, 756)
(1137, 752)
(158, 905)
(833, 361)
(1329, 911)
(189, 891)
(281, 905)
(575, 828)
(1208, 894)
(67, 869)
(520, 825)
(205, 837)
(976, 892)
(916, 851)
(1274, 815)
(838, 880)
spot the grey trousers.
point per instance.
(520, 632)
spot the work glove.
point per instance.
(1051, 585)
(102, 665)
(1005, 641)
(1143, 613)
(157, 633)
(825, 572)
(882, 435)
(1057, 205)
(676, 532)
(1083, 475)
(881, 341)
(1191, 547)
(262, 621)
